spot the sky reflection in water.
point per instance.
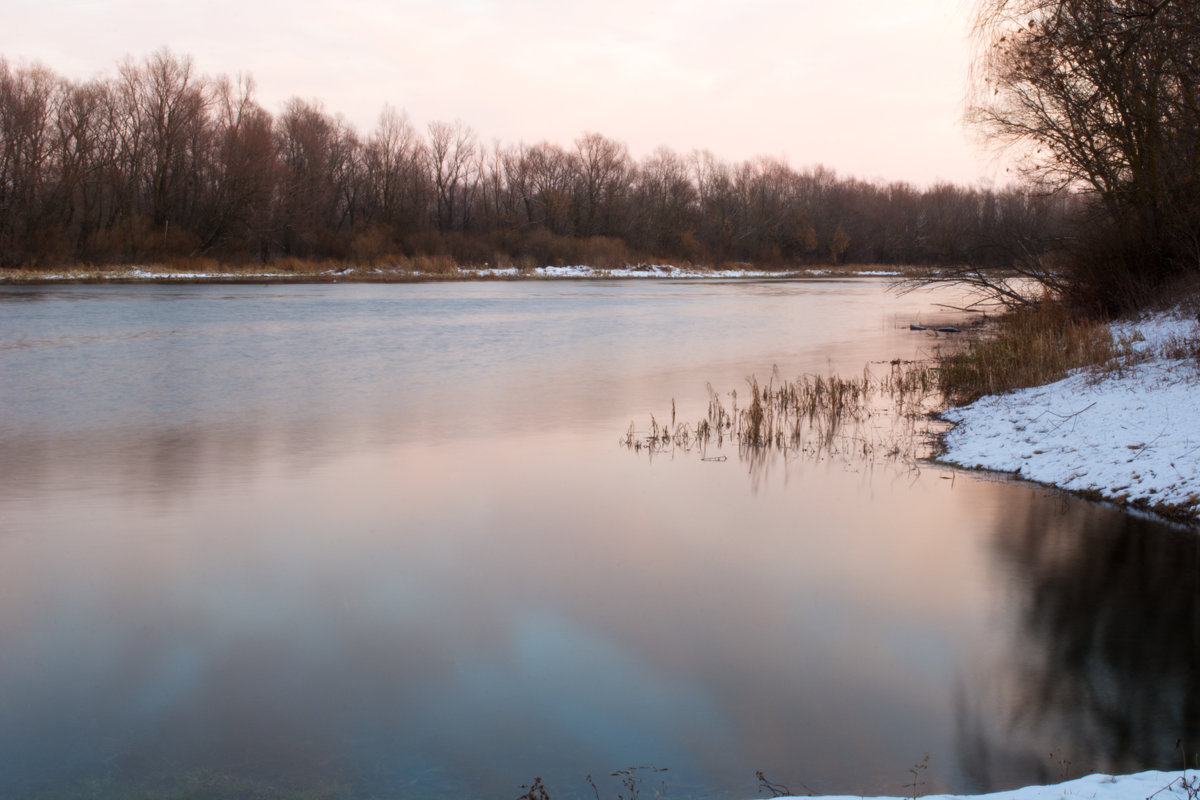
(384, 537)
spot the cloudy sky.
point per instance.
(872, 88)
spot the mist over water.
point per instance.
(383, 539)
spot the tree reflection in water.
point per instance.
(1103, 671)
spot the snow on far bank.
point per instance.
(573, 272)
(1143, 785)
(647, 271)
(1131, 435)
(143, 274)
(662, 271)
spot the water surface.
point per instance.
(382, 541)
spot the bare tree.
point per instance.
(1101, 96)
(243, 169)
(167, 104)
(393, 162)
(306, 141)
(666, 204)
(450, 156)
(27, 105)
(603, 167)
(79, 136)
(347, 170)
(496, 202)
(551, 178)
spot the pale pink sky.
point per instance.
(871, 88)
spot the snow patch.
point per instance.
(640, 271)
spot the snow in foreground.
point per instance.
(1161, 785)
(1131, 435)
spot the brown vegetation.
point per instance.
(1027, 347)
(861, 417)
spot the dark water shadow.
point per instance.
(1104, 659)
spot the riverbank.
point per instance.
(1140, 786)
(1128, 433)
(339, 273)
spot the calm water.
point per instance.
(382, 541)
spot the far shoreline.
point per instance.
(327, 273)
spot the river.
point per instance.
(382, 540)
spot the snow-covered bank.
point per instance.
(1143, 785)
(1130, 435)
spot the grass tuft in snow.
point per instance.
(1039, 346)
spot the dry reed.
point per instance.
(817, 415)
(1029, 347)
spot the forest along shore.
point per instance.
(1128, 434)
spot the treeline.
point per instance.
(159, 163)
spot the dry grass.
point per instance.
(1029, 347)
(1181, 348)
(197, 264)
(872, 414)
(863, 416)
